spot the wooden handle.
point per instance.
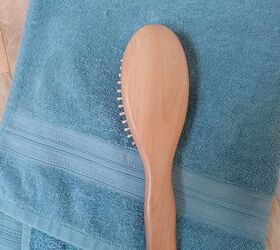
(160, 212)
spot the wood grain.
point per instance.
(5, 76)
(4, 64)
(5, 82)
(155, 91)
(12, 14)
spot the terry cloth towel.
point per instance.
(70, 179)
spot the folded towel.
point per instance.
(70, 179)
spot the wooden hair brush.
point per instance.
(154, 88)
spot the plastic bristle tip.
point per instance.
(129, 135)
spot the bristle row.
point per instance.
(122, 113)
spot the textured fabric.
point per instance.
(70, 179)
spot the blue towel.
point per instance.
(69, 177)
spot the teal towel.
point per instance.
(69, 177)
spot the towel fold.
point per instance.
(69, 177)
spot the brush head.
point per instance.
(154, 90)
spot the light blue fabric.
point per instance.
(69, 177)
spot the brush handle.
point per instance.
(159, 209)
(155, 89)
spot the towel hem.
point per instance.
(218, 204)
(54, 228)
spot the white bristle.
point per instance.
(129, 135)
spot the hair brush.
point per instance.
(154, 88)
